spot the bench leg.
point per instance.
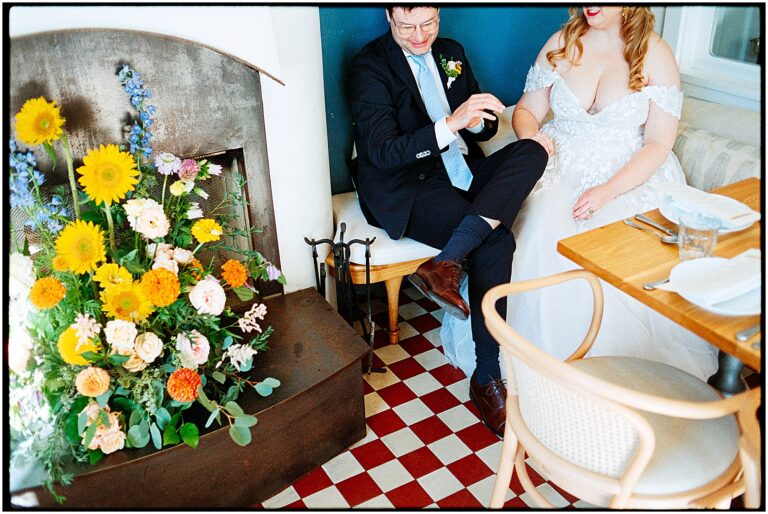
(393, 303)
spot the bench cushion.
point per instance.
(384, 250)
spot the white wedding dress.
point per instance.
(589, 149)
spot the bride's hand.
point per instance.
(545, 141)
(590, 201)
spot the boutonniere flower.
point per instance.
(451, 68)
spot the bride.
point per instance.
(614, 88)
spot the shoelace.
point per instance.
(494, 384)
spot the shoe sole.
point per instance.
(472, 397)
(448, 307)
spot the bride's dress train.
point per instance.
(589, 149)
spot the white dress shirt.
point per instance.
(443, 134)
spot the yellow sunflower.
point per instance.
(126, 302)
(107, 174)
(206, 230)
(81, 245)
(69, 350)
(39, 122)
(111, 274)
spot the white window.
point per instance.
(717, 48)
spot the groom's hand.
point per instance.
(469, 114)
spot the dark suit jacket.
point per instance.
(394, 136)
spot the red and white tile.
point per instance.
(425, 446)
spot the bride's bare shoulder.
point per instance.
(660, 64)
(555, 42)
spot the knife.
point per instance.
(648, 221)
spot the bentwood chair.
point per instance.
(620, 432)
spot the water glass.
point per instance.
(698, 235)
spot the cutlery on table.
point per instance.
(648, 221)
(747, 333)
(650, 286)
(662, 238)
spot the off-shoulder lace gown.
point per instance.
(589, 148)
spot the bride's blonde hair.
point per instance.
(636, 29)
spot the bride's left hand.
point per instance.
(590, 201)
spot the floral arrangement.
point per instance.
(451, 68)
(117, 326)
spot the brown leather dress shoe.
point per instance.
(439, 281)
(490, 399)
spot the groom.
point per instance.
(418, 113)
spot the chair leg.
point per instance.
(506, 465)
(393, 303)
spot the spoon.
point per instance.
(663, 239)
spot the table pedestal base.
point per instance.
(727, 379)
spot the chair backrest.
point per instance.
(571, 425)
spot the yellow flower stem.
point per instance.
(111, 225)
(162, 199)
(94, 286)
(71, 171)
(197, 248)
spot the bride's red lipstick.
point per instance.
(591, 12)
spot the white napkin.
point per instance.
(718, 282)
(732, 213)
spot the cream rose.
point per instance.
(182, 256)
(135, 207)
(92, 382)
(148, 346)
(135, 363)
(21, 274)
(152, 223)
(121, 335)
(169, 264)
(193, 349)
(160, 251)
(208, 296)
(112, 441)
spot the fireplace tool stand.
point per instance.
(347, 302)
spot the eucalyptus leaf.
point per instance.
(90, 356)
(234, 409)
(271, 382)
(117, 359)
(245, 420)
(157, 438)
(82, 421)
(162, 417)
(89, 433)
(104, 418)
(137, 437)
(135, 418)
(190, 434)
(214, 415)
(218, 376)
(263, 389)
(227, 342)
(103, 399)
(240, 435)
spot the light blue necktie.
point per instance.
(455, 165)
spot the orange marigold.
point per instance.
(182, 385)
(160, 286)
(195, 265)
(234, 273)
(47, 292)
(60, 263)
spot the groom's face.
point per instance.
(414, 30)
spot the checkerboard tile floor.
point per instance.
(425, 444)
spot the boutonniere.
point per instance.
(451, 68)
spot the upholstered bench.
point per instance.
(390, 261)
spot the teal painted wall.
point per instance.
(501, 43)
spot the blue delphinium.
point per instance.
(140, 138)
(24, 184)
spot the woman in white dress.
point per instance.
(614, 88)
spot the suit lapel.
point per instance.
(403, 70)
(452, 93)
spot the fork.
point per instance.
(663, 239)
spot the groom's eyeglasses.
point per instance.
(428, 27)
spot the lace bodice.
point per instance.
(591, 146)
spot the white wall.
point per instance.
(294, 114)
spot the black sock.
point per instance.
(466, 237)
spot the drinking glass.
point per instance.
(698, 235)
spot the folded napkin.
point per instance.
(732, 214)
(711, 281)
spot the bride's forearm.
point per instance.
(524, 123)
(639, 169)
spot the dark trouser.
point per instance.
(501, 183)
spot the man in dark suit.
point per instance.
(418, 113)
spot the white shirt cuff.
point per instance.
(443, 133)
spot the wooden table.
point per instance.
(627, 258)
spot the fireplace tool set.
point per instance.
(347, 301)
